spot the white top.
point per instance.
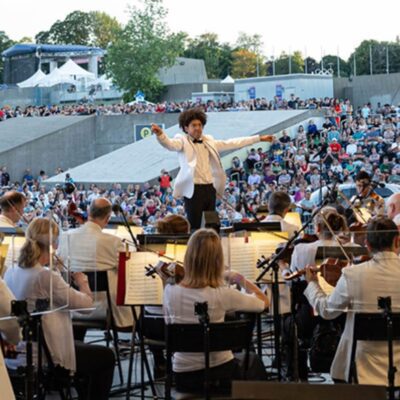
(89, 249)
(34, 283)
(357, 290)
(179, 309)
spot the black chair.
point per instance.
(98, 282)
(232, 335)
(370, 327)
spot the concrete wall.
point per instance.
(183, 92)
(69, 146)
(115, 131)
(304, 86)
(383, 88)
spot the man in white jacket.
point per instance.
(357, 291)
(201, 176)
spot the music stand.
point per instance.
(274, 226)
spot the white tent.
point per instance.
(103, 81)
(55, 78)
(228, 79)
(33, 80)
(74, 71)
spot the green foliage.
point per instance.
(331, 61)
(5, 43)
(75, 29)
(91, 29)
(283, 62)
(378, 50)
(143, 47)
(217, 56)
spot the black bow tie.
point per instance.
(197, 140)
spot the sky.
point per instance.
(313, 27)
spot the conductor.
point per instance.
(201, 176)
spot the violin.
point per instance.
(330, 269)
(166, 271)
(73, 212)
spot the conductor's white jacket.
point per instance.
(184, 186)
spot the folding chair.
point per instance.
(98, 282)
(232, 335)
(370, 327)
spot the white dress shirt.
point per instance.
(202, 173)
(357, 291)
(13, 248)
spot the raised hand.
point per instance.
(156, 129)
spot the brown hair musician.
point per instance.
(357, 291)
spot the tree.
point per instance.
(293, 64)
(379, 55)
(253, 43)
(143, 47)
(244, 64)
(217, 57)
(104, 29)
(75, 29)
(94, 28)
(331, 61)
(312, 65)
(5, 43)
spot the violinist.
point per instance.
(357, 290)
(303, 255)
(366, 198)
(153, 323)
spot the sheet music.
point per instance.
(176, 251)
(14, 248)
(239, 255)
(141, 289)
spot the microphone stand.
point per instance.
(126, 223)
(274, 266)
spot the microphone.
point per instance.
(117, 209)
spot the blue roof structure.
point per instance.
(21, 49)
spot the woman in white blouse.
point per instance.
(204, 281)
(32, 280)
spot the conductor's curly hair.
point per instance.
(186, 117)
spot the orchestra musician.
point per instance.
(32, 280)
(393, 208)
(366, 197)
(204, 282)
(89, 249)
(279, 205)
(357, 290)
(303, 255)
(153, 322)
(201, 176)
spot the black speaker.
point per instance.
(210, 219)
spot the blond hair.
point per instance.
(37, 241)
(173, 224)
(204, 260)
(335, 220)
